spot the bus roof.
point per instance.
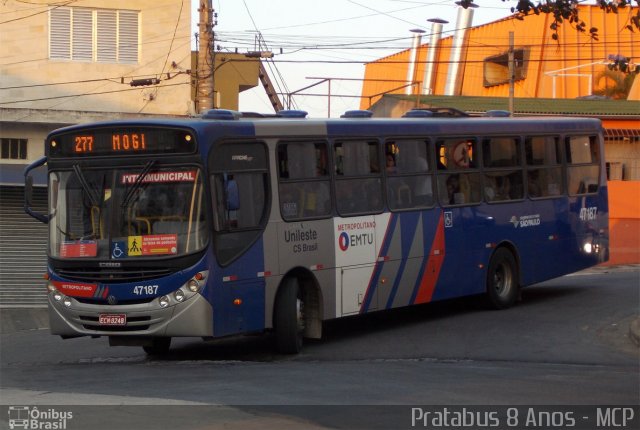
(366, 127)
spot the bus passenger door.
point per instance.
(355, 264)
(241, 201)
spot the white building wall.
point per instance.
(27, 72)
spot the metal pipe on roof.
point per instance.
(413, 56)
(453, 84)
(429, 80)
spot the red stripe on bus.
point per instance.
(434, 264)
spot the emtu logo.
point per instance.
(343, 241)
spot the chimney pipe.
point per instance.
(453, 85)
(429, 81)
(413, 56)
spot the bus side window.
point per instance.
(241, 197)
(503, 175)
(304, 185)
(239, 200)
(231, 191)
(459, 188)
(583, 168)
(409, 179)
(544, 166)
(358, 183)
(458, 182)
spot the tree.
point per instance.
(616, 84)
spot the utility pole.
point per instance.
(204, 74)
(512, 73)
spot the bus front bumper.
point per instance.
(193, 317)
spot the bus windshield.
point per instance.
(138, 212)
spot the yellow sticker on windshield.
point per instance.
(135, 246)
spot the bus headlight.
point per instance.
(588, 248)
(50, 287)
(164, 301)
(67, 302)
(193, 285)
(188, 290)
(57, 296)
(179, 295)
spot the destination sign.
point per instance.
(110, 141)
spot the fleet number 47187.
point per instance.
(140, 290)
(588, 214)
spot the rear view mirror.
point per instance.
(28, 191)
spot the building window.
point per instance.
(14, 149)
(82, 34)
(496, 68)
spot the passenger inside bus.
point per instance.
(391, 163)
(453, 190)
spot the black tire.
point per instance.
(502, 280)
(289, 318)
(159, 346)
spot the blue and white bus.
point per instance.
(228, 223)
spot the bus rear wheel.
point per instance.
(502, 280)
(289, 318)
(158, 346)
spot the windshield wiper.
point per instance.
(127, 198)
(95, 199)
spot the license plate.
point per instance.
(113, 319)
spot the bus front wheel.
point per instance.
(502, 280)
(289, 318)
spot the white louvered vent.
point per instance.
(102, 35)
(82, 47)
(128, 37)
(60, 34)
(107, 43)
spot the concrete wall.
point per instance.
(627, 153)
(624, 222)
(25, 63)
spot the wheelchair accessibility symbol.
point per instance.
(448, 219)
(118, 249)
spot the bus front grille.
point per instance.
(114, 275)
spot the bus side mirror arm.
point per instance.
(28, 191)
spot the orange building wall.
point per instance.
(624, 222)
(545, 55)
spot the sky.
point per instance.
(329, 39)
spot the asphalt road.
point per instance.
(565, 343)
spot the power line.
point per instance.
(354, 17)
(38, 13)
(175, 30)
(337, 61)
(86, 94)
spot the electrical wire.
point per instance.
(175, 30)
(38, 13)
(85, 94)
